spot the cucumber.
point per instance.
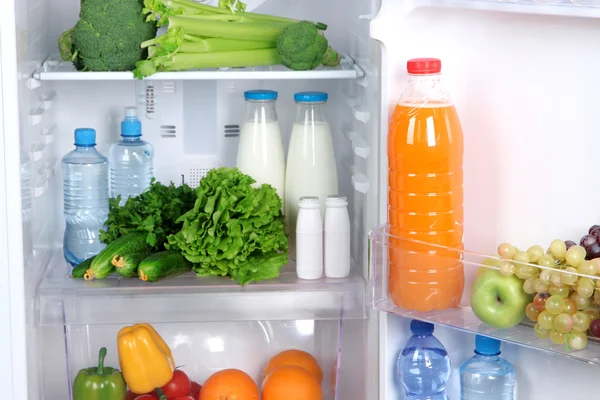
(163, 265)
(102, 266)
(127, 265)
(81, 268)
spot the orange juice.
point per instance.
(425, 156)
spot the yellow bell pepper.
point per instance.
(146, 360)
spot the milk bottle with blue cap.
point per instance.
(311, 167)
(260, 151)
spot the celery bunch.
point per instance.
(204, 36)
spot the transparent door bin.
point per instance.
(189, 298)
(201, 349)
(461, 317)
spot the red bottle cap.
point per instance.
(421, 66)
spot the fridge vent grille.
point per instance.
(230, 87)
(195, 175)
(232, 130)
(149, 99)
(168, 131)
(169, 87)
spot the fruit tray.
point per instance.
(544, 299)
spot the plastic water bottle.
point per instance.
(424, 365)
(85, 178)
(486, 376)
(131, 167)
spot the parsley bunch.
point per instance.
(155, 211)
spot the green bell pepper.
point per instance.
(99, 383)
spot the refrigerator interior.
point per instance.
(193, 123)
(523, 78)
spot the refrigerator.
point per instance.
(523, 77)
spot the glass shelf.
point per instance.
(461, 317)
(54, 69)
(188, 298)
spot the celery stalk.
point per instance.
(220, 45)
(227, 30)
(199, 7)
(244, 58)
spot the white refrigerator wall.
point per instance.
(525, 88)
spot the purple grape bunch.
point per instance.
(590, 242)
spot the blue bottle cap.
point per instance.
(421, 328)
(260, 95)
(311, 97)
(487, 346)
(85, 137)
(131, 125)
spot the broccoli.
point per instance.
(107, 36)
(302, 47)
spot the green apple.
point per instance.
(492, 262)
(499, 300)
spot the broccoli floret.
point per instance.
(302, 47)
(108, 36)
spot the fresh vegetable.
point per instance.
(127, 265)
(107, 36)
(102, 265)
(303, 47)
(179, 385)
(163, 265)
(80, 270)
(154, 212)
(133, 396)
(145, 358)
(161, 10)
(233, 5)
(195, 391)
(234, 229)
(203, 36)
(175, 40)
(186, 61)
(100, 382)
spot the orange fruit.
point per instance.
(290, 382)
(298, 358)
(231, 384)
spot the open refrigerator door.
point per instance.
(521, 75)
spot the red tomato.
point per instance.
(133, 396)
(179, 385)
(146, 397)
(195, 392)
(184, 398)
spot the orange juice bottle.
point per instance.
(425, 156)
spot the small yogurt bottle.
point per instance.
(309, 239)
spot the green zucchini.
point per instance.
(127, 264)
(79, 271)
(163, 265)
(102, 266)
